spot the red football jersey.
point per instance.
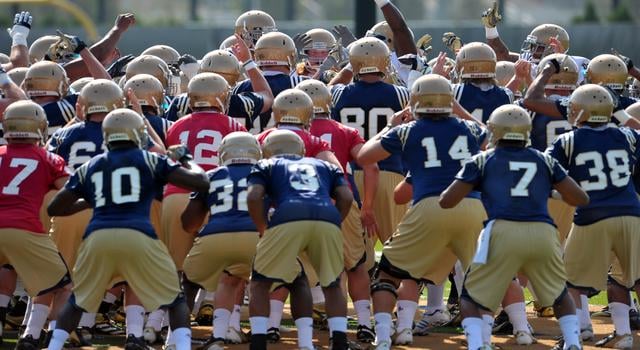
(340, 138)
(27, 173)
(312, 145)
(202, 133)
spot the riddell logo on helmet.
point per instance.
(365, 70)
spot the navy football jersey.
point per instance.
(601, 161)
(59, 113)
(367, 107)
(300, 188)
(515, 182)
(227, 200)
(120, 186)
(562, 105)
(433, 151)
(78, 143)
(244, 107)
(159, 124)
(277, 82)
(481, 102)
(545, 129)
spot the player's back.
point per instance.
(545, 130)
(60, 112)
(433, 151)
(340, 138)
(479, 101)
(300, 188)
(227, 200)
(516, 183)
(312, 144)
(601, 160)
(159, 124)
(27, 173)
(78, 143)
(120, 186)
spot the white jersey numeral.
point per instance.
(617, 161)
(459, 150)
(522, 187)
(304, 177)
(210, 143)
(30, 165)
(118, 177)
(224, 189)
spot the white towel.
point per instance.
(482, 252)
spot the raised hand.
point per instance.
(491, 17)
(344, 34)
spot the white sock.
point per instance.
(109, 298)
(487, 328)
(620, 317)
(406, 313)
(52, 325)
(570, 330)
(87, 320)
(4, 300)
(583, 313)
(435, 298)
(220, 322)
(383, 326)
(165, 320)
(363, 310)
(170, 339)
(155, 320)
(458, 277)
(234, 320)
(38, 318)
(259, 324)
(57, 339)
(317, 295)
(337, 324)
(135, 320)
(305, 332)
(182, 338)
(473, 331)
(517, 316)
(275, 313)
(27, 312)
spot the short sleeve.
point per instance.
(57, 166)
(470, 172)
(562, 105)
(391, 141)
(163, 166)
(355, 138)
(259, 174)
(556, 151)
(55, 141)
(76, 182)
(337, 176)
(246, 105)
(558, 173)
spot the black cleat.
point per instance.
(273, 335)
(28, 343)
(502, 325)
(365, 334)
(135, 343)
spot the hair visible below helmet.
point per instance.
(147, 89)
(322, 42)
(319, 94)
(608, 70)
(590, 103)
(369, 55)
(505, 70)
(431, 94)
(292, 106)
(510, 123)
(239, 147)
(209, 90)
(46, 78)
(282, 142)
(222, 62)
(18, 74)
(275, 49)
(537, 42)
(148, 64)
(251, 25)
(123, 124)
(100, 96)
(166, 53)
(40, 47)
(382, 31)
(567, 78)
(476, 60)
(24, 120)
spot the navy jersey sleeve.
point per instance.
(409, 179)
(471, 172)
(54, 141)
(558, 173)
(562, 105)
(391, 141)
(557, 149)
(160, 165)
(259, 173)
(338, 178)
(76, 182)
(246, 104)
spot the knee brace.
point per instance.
(383, 285)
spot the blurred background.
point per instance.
(198, 26)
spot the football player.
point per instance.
(433, 149)
(515, 182)
(201, 132)
(19, 34)
(153, 65)
(366, 105)
(246, 106)
(305, 219)
(610, 71)
(601, 158)
(222, 254)
(275, 54)
(27, 173)
(112, 184)
(251, 25)
(360, 225)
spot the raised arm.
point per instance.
(402, 37)
(490, 19)
(258, 82)
(535, 99)
(19, 56)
